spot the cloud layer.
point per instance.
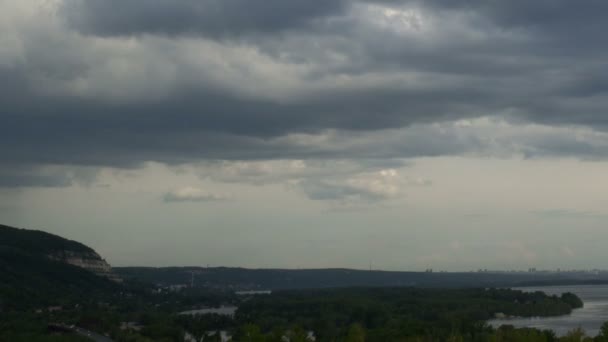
(119, 83)
(191, 194)
(215, 18)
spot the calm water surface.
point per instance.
(590, 317)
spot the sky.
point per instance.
(405, 134)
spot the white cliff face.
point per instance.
(89, 261)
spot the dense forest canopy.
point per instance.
(389, 313)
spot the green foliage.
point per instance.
(339, 315)
(33, 337)
(356, 333)
(38, 242)
(384, 314)
(576, 335)
(249, 333)
(572, 300)
(603, 335)
(510, 334)
(28, 279)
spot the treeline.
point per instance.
(38, 242)
(390, 314)
(284, 279)
(28, 281)
(356, 333)
(336, 315)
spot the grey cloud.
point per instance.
(19, 175)
(365, 86)
(238, 17)
(358, 188)
(216, 18)
(323, 191)
(567, 213)
(547, 15)
(176, 132)
(347, 181)
(22, 176)
(277, 171)
(192, 194)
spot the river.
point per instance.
(590, 317)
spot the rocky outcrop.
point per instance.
(35, 244)
(90, 261)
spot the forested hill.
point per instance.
(34, 269)
(44, 245)
(274, 279)
(38, 242)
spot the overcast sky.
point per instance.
(445, 134)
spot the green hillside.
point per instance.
(29, 279)
(38, 242)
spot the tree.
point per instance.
(603, 335)
(297, 334)
(356, 333)
(575, 335)
(249, 333)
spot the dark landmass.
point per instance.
(32, 276)
(277, 279)
(391, 314)
(36, 242)
(563, 282)
(53, 289)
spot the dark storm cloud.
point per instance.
(551, 16)
(578, 23)
(215, 18)
(205, 125)
(32, 175)
(517, 55)
(25, 175)
(118, 83)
